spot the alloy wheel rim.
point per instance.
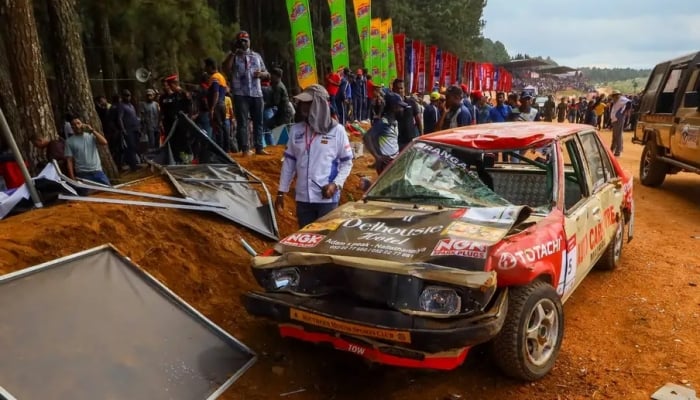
(647, 163)
(541, 332)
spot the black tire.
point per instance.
(611, 257)
(512, 350)
(652, 171)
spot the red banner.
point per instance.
(416, 49)
(400, 52)
(431, 67)
(443, 67)
(455, 68)
(421, 68)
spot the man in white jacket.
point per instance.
(617, 119)
(318, 154)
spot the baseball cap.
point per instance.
(394, 99)
(525, 94)
(464, 88)
(615, 92)
(311, 91)
(171, 78)
(454, 90)
(477, 94)
(435, 96)
(243, 35)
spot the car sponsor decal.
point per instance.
(329, 225)
(690, 136)
(476, 232)
(567, 276)
(460, 247)
(305, 240)
(592, 243)
(529, 255)
(349, 328)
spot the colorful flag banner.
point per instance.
(340, 55)
(432, 67)
(440, 68)
(400, 50)
(384, 50)
(421, 67)
(447, 67)
(304, 55)
(363, 15)
(416, 52)
(410, 65)
(375, 58)
(390, 52)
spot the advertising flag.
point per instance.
(416, 53)
(410, 64)
(432, 63)
(363, 16)
(390, 52)
(340, 55)
(440, 67)
(447, 67)
(375, 59)
(400, 50)
(304, 55)
(384, 50)
(421, 67)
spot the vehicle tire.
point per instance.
(652, 171)
(611, 257)
(529, 342)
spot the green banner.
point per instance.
(391, 54)
(363, 16)
(384, 51)
(375, 57)
(340, 55)
(302, 36)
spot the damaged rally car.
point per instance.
(473, 235)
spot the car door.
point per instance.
(606, 187)
(686, 142)
(578, 218)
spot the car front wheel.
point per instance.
(530, 339)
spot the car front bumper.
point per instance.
(380, 335)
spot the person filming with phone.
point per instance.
(82, 159)
(246, 68)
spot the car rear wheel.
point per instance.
(611, 258)
(652, 171)
(530, 339)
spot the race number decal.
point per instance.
(567, 279)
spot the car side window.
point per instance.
(691, 97)
(668, 96)
(575, 182)
(597, 160)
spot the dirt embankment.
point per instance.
(627, 332)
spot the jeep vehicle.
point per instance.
(472, 235)
(669, 120)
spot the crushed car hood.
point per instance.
(398, 232)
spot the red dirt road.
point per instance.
(627, 332)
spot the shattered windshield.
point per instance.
(437, 174)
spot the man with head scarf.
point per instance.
(318, 154)
(617, 118)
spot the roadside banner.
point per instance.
(304, 55)
(375, 59)
(421, 68)
(410, 64)
(384, 50)
(340, 55)
(416, 64)
(391, 52)
(440, 68)
(432, 63)
(400, 52)
(363, 16)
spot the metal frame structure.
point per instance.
(158, 286)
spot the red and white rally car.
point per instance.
(476, 234)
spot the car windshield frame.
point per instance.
(451, 176)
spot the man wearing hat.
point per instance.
(617, 119)
(175, 100)
(318, 154)
(246, 68)
(431, 114)
(527, 111)
(382, 141)
(150, 119)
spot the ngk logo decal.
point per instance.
(303, 240)
(459, 247)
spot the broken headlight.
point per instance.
(440, 300)
(284, 279)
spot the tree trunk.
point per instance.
(27, 73)
(71, 72)
(104, 41)
(7, 100)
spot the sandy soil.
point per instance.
(628, 332)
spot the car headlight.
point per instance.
(285, 278)
(440, 300)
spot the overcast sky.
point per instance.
(602, 33)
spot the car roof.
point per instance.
(504, 135)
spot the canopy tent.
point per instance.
(528, 63)
(556, 70)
